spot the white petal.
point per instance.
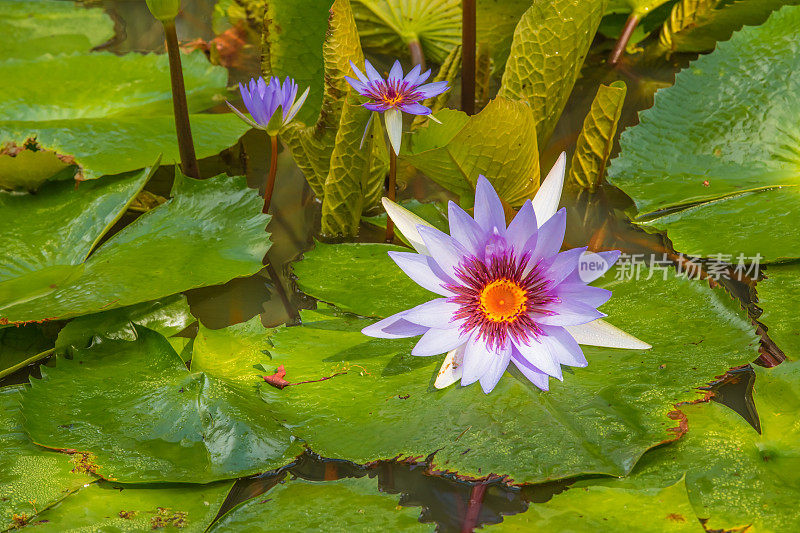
(394, 327)
(452, 368)
(406, 222)
(436, 313)
(540, 356)
(601, 333)
(439, 341)
(394, 127)
(545, 203)
(296, 106)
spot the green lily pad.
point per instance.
(145, 417)
(30, 29)
(717, 150)
(210, 232)
(735, 477)
(342, 505)
(652, 510)
(106, 506)
(33, 478)
(781, 286)
(167, 316)
(379, 401)
(388, 27)
(499, 142)
(116, 115)
(54, 231)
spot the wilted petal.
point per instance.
(452, 368)
(545, 203)
(439, 341)
(601, 333)
(423, 271)
(406, 222)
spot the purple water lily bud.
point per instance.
(507, 293)
(263, 99)
(395, 94)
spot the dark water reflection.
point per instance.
(454, 505)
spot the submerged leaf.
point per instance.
(596, 140)
(352, 505)
(719, 149)
(106, 506)
(550, 43)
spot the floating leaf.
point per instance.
(116, 116)
(166, 316)
(353, 505)
(782, 285)
(597, 136)
(550, 43)
(106, 506)
(54, 231)
(599, 508)
(697, 25)
(380, 402)
(388, 26)
(735, 477)
(719, 149)
(210, 232)
(33, 478)
(31, 29)
(499, 142)
(21, 344)
(162, 422)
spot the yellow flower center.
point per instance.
(502, 300)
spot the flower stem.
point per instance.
(391, 193)
(29, 361)
(179, 106)
(417, 55)
(622, 42)
(468, 56)
(273, 168)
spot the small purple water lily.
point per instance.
(263, 99)
(395, 95)
(507, 293)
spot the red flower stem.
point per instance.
(468, 56)
(417, 55)
(273, 168)
(622, 42)
(392, 192)
(474, 508)
(179, 105)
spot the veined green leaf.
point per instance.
(499, 142)
(550, 43)
(597, 137)
(697, 25)
(781, 285)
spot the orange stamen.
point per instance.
(502, 300)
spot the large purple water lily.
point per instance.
(395, 95)
(508, 295)
(263, 99)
